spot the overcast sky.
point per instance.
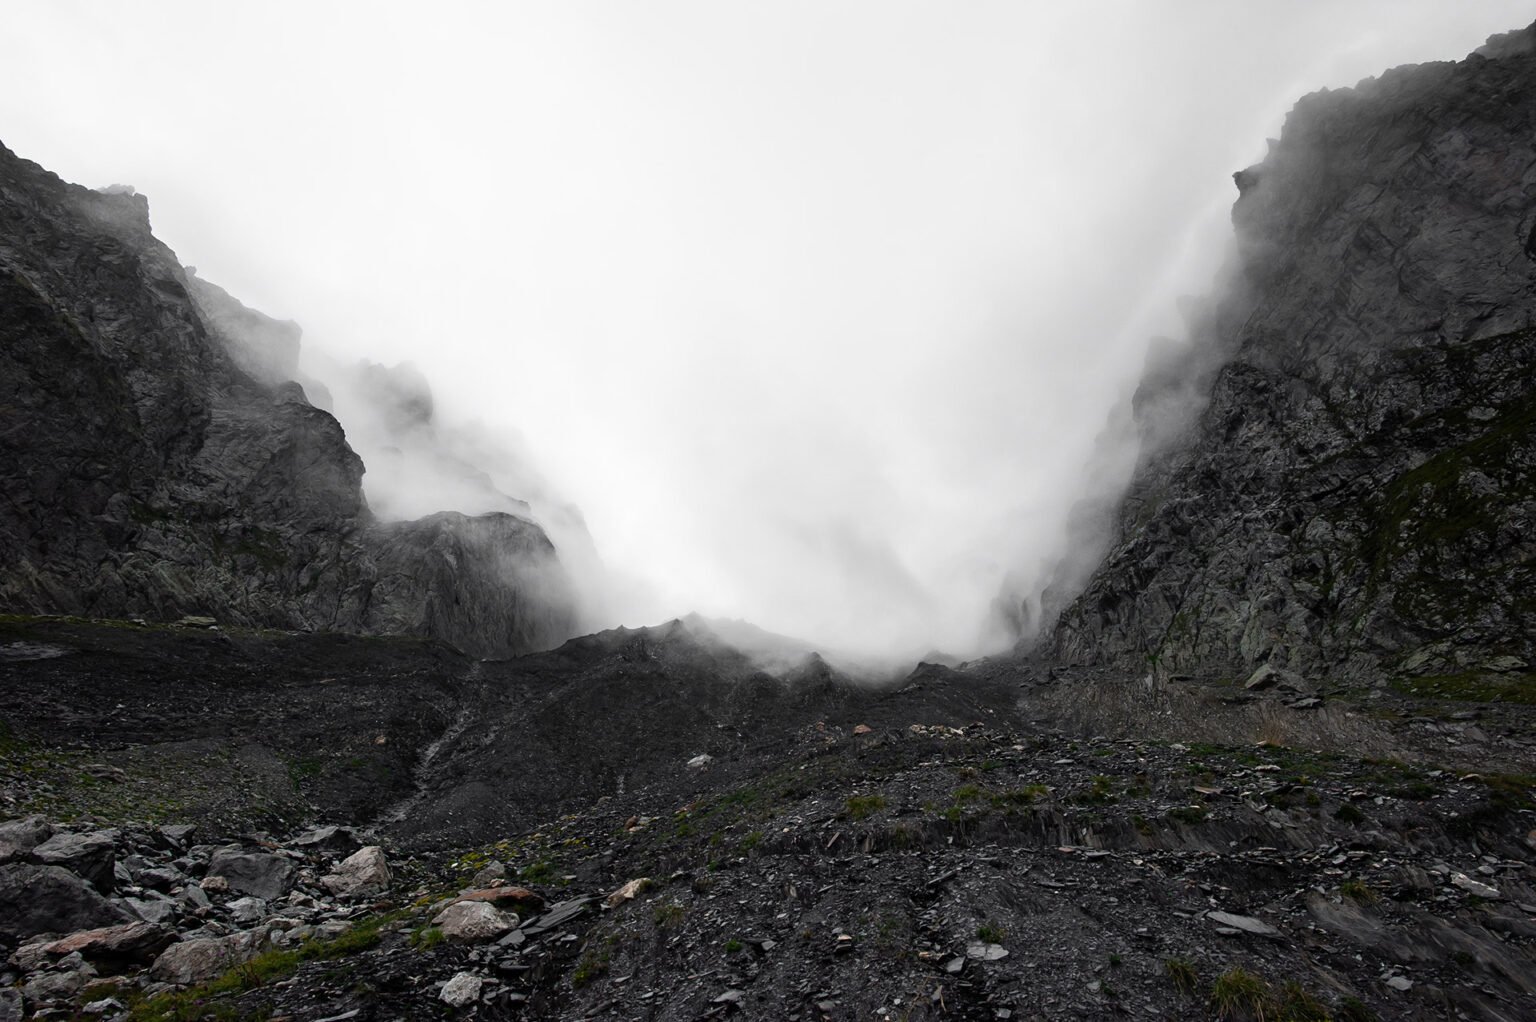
(814, 308)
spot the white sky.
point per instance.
(814, 308)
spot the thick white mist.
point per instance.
(815, 310)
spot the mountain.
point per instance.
(1357, 496)
(158, 460)
(704, 820)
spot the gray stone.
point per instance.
(154, 908)
(49, 899)
(10, 1004)
(90, 856)
(194, 961)
(362, 874)
(261, 874)
(18, 837)
(473, 922)
(462, 989)
(1247, 924)
(247, 910)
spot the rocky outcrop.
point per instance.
(1358, 496)
(155, 465)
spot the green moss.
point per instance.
(1472, 686)
(861, 807)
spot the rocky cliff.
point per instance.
(1358, 496)
(153, 465)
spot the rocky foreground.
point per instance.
(979, 843)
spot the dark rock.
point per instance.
(261, 874)
(1355, 497)
(47, 899)
(120, 945)
(91, 856)
(18, 837)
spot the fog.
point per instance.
(817, 311)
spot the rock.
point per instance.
(362, 874)
(46, 987)
(462, 989)
(49, 899)
(193, 961)
(90, 856)
(700, 761)
(628, 892)
(159, 878)
(178, 834)
(153, 910)
(1400, 983)
(1320, 471)
(473, 922)
(333, 839)
(126, 943)
(18, 837)
(260, 874)
(490, 874)
(501, 897)
(247, 910)
(1264, 677)
(1474, 887)
(863, 729)
(214, 884)
(1247, 924)
(174, 482)
(10, 1004)
(982, 951)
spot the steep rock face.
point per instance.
(1359, 494)
(146, 471)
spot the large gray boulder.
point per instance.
(48, 899)
(362, 874)
(18, 837)
(91, 855)
(261, 874)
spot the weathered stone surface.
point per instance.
(130, 942)
(521, 897)
(90, 856)
(260, 874)
(473, 922)
(462, 989)
(361, 874)
(194, 961)
(49, 899)
(18, 837)
(1357, 496)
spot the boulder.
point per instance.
(194, 961)
(49, 899)
(501, 897)
(90, 855)
(361, 874)
(127, 943)
(462, 989)
(10, 1004)
(261, 874)
(473, 922)
(18, 837)
(247, 910)
(628, 892)
(332, 839)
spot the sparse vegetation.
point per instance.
(861, 807)
(991, 933)
(1239, 995)
(1182, 972)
